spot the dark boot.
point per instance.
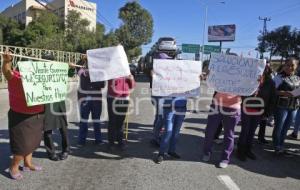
(250, 154)
(241, 153)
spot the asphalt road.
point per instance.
(91, 167)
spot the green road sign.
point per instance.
(190, 48)
(210, 48)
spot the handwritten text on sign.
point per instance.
(107, 63)
(44, 82)
(234, 75)
(176, 78)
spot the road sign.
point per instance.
(190, 48)
(210, 48)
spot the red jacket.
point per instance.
(120, 87)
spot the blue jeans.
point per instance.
(94, 107)
(297, 123)
(173, 119)
(283, 119)
(157, 101)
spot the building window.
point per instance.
(23, 15)
(19, 16)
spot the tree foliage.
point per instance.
(137, 28)
(282, 41)
(48, 31)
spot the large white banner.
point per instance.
(176, 78)
(234, 75)
(107, 63)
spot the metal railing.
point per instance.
(61, 56)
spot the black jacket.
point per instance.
(267, 93)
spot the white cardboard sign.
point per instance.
(176, 78)
(234, 75)
(107, 63)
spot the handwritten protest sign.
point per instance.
(44, 82)
(234, 75)
(107, 63)
(176, 78)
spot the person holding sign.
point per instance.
(90, 102)
(173, 110)
(25, 123)
(287, 103)
(56, 118)
(157, 101)
(255, 107)
(225, 109)
(117, 104)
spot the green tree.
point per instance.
(78, 36)
(137, 28)
(45, 32)
(110, 39)
(12, 32)
(282, 41)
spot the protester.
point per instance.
(174, 110)
(260, 105)
(157, 101)
(90, 102)
(56, 118)
(268, 116)
(117, 105)
(225, 109)
(25, 123)
(287, 105)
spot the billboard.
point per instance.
(218, 33)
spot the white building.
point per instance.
(27, 10)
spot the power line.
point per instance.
(108, 23)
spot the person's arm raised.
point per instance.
(7, 66)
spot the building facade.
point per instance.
(27, 10)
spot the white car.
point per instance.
(167, 44)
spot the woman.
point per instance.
(56, 118)
(117, 105)
(256, 107)
(25, 123)
(225, 109)
(287, 104)
(174, 109)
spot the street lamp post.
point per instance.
(204, 29)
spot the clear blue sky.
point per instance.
(184, 20)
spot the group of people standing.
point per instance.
(28, 125)
(273, 98)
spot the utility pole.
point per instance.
(264, 32)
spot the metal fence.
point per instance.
(60, 56)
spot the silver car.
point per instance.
(167, 44)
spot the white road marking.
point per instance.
(228, 182)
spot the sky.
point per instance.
(184, 19)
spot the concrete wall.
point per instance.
(16, 11)
(87, 9)
(21, 11)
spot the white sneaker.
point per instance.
(223, 165)
(206, 158)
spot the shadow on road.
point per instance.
(189, 147)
